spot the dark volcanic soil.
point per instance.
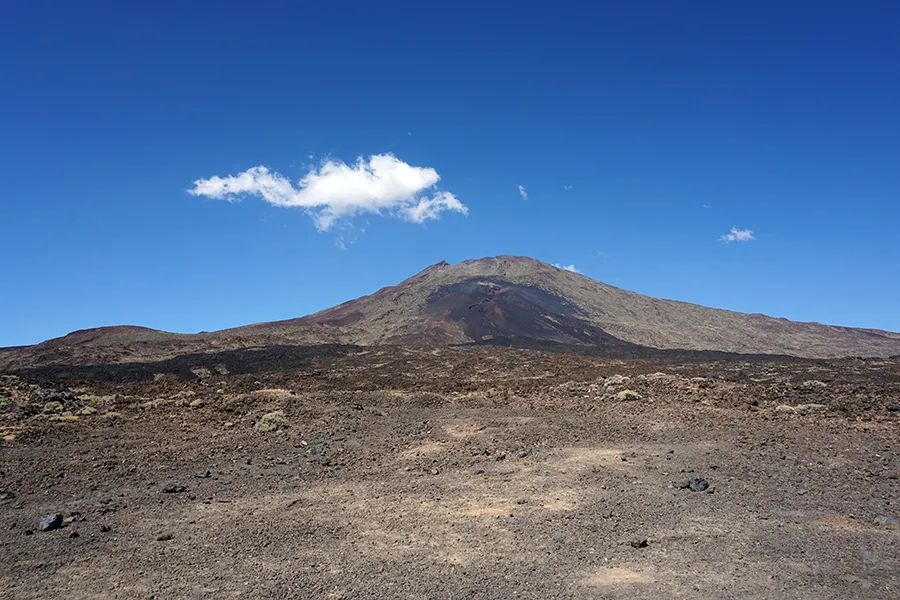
(475, 472)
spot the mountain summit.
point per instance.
(506, 299)
(522, 299)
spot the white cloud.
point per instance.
(336, 191)
(567, 187)
(523, 193)
(567, 268)
(738, 235)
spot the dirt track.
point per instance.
(462, 473)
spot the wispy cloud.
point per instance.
(738, 235)
(335, 190)
(523, 193)
(567, 187)
(567, 268)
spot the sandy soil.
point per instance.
(458, 473)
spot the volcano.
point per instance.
(501, 300)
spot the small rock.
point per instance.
(228, 424)
(785, 408)
(627, 395)
(698, 484)
(479, 472)
(196, 403)
(6, 496)
(639, 542)
(606, 515)
(165, 537)
(521, 501)
(53, 407)
(805, 409)
(500, 456)
(695, 484)
(174, 489)
(50, 522)
(206, 475)
(73, 535)
(105, 528)
(87, 411)
(435, 472)
(893, 407)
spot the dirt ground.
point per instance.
(457, 473)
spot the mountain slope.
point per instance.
(509, 299)
(463, 302)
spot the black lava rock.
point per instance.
(695, 484)
(639, 542)
(174, 489)
(698, 484)
(50, 522)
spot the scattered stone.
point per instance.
(626, 395)
(53, 407)
(893, 407)
(174, 489)
(500, 456)
(805, 409)
(479, 472)
(521, 501)
(6, 496)
(687, 470)
(50, 522)
(272, 421)
(435, 472)
(165, 537)
(105, 528)
(73, 535)
(606, 515)
(87, 411)
(695, 484)
(71, 519)
(785, 408)
(206, 475)
(639, 542)
(196, 403)
(228, 424)
(626, 455)
(112, 414)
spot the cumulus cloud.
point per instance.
(335, 190)
(523, 193)
(567, 268)
(738, 235)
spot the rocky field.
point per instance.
(477, 472)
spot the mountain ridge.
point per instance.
(518, 299)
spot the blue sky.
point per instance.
(641, 135)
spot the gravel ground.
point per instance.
(457, 473)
